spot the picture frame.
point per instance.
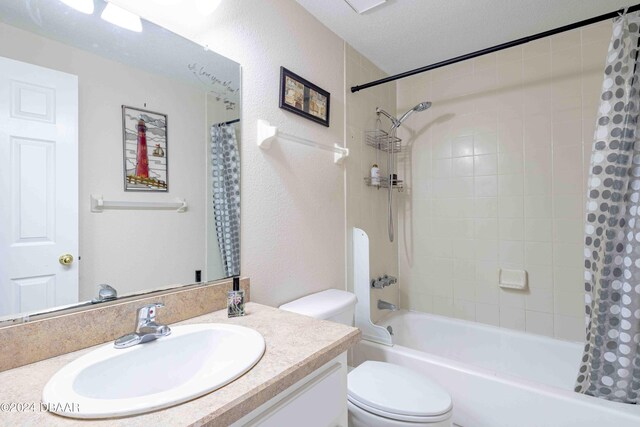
(145, 150)
(303, 98)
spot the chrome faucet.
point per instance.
(383, 282)
(383, 305)
(146, 328)
(106, 293)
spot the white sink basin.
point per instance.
(192, 361)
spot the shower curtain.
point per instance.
(225, 170)
(610, 367)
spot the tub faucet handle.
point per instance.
(383, 282)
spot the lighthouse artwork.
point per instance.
(145, 150)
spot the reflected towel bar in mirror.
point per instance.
(98, 204)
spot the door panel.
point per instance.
(33, 185)
(32, 102)
(34, 293)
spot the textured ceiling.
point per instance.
(405, 34)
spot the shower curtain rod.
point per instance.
(230, 122)
(496, 48)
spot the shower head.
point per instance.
(420, 107)
(397, 122)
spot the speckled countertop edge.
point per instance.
(295, 346)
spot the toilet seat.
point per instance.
(397, 393)
(399, 417)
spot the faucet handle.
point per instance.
(106, 293)
(384, 281)
(147, 313)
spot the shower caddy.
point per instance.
(382, 141)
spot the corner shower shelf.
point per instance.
(382, 141)
(384, 183)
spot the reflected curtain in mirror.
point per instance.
(225, 170)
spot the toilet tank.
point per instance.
(332, 304)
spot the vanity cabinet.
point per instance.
(317, 400)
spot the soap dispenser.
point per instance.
(235, 300)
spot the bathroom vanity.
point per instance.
(302, 375)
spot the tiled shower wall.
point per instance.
(497, 175)
(367, 206)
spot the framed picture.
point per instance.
(144, 136)
(303, 97)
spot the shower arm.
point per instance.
(394, 122)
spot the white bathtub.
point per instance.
(497, 377)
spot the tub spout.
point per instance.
(383, 305)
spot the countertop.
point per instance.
(296, 345)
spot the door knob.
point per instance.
(66, 259)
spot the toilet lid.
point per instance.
(394, 390)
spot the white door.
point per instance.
(38, 187)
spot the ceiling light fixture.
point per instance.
(207, 7)
(84, 6)
(122, 18)
(361, 6)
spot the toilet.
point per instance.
(380, 394)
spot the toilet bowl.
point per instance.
(380, 394)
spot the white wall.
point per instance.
(497, 179)
(293, 198)
(130, 250)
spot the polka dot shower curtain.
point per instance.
(225, 162)
(610, 367)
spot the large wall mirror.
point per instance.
(109, 126)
